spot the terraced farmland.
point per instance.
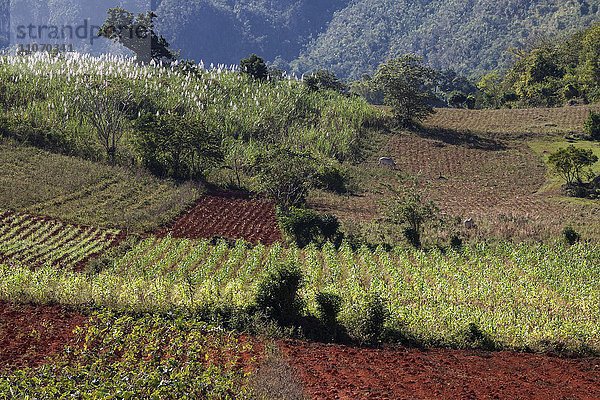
(522, 296)
(36, 241)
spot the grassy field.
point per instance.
(83, 192)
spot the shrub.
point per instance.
(473, 336)
(571, 236)
(369, 323)
(306, 226)
(456, 242)
(277, 296)
(329, 306)
(331, 177)
(592, 125)
(412, 236)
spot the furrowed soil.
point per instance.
(228, 215)
(30, 334)
(476, 164)
(338, 372)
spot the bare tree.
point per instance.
(106, 109)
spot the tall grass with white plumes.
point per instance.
(39, 93)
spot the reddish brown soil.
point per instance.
(30, 334)
(229, 216)
(338, 372)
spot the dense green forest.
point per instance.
(352, 37)
(467, 36)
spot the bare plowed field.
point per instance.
(338, 372)
(30, 334)
(231, 216)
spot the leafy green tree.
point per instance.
(324, 80)
(589, 66)
(490, 86)
(592, 125)
(173, 144)
(105, 106)
(411, 210)
(570, 163)
(137, 34)
(285, 176)
(404, 82)
(255, 67)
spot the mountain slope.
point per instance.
(225, 31)
(470, 36)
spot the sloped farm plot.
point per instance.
(35, 241)
(230, 216)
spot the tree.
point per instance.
(255, 67)
(404, 82)
(173, 144)
(457, 99)
(571, 162)
(105, 106)
(411, 210)
(490, 86)
(592, 125)
(137, 34)
(285, 176)
(324, 80)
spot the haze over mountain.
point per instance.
(349, 37)
(353, 37)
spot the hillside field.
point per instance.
(489, 165)
(173, 273)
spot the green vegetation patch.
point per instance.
(84, 192)
(38, 241)
(521, 296)
(148, 357)
(545, 148)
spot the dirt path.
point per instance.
(338, 372)
(29, 334)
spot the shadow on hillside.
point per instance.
(458, 138)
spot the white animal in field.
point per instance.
(387, 162)
(469, 223)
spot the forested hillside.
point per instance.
(468, 36)
(224, 31)
(349, 37)
(353, 37)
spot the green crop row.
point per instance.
(37, 241)
(522, 296)
(149, 357)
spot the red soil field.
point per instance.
(338, 372)
(30, 334)
(228, 215)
